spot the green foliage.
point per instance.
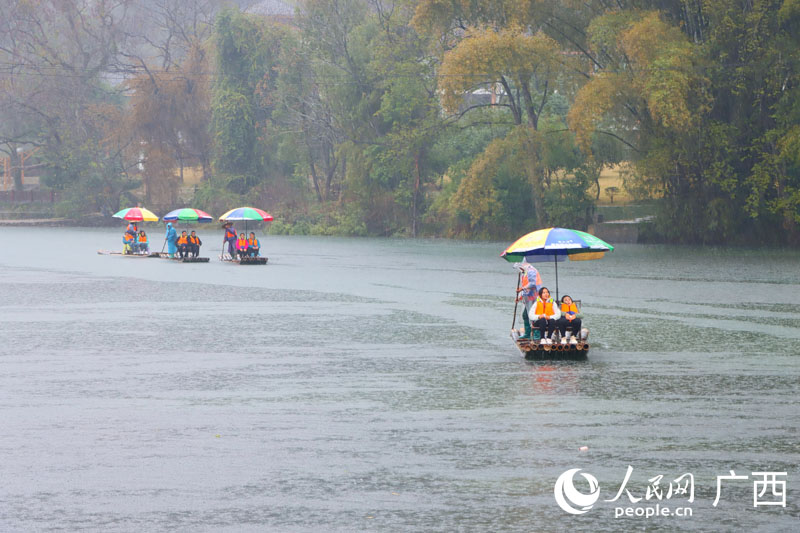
(247, 53)
(337, 124)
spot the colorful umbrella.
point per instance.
(558, 244)
(246, 213)
(188, 214)
(136, 214)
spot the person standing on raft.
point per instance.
(132, 228)
(171, 237)
(528, 292)
(230, 238)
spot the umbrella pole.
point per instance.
(165, 240)
(516, 301)
(555, 260)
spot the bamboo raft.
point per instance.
(535, 350)
(185, 259)
(133, 256)
(248, 260)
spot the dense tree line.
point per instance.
(430, 117)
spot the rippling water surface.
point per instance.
(360, 384)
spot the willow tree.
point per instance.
(168, 121)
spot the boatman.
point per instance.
(230, 238)
(171, 237)
(132, 229)
(194, 244)
(528, 292)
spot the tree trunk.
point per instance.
(416, 194)
(16, 167)
(535, 179)
(530, 110)
(314, 175)
(330, 171)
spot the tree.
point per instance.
(168, 124)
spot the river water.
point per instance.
(370, 384)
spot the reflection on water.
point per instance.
(370, 384)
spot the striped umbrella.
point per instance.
(188, 214)
(246, 213)
(136, 214)
(558, 244)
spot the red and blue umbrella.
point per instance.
(188, 214)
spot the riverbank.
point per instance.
(47, 219)
(53, 222)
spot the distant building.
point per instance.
(30, 175)
(277, 10)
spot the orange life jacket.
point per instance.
(230, 233)
(142, 238)
(569, 308)
(241, 244)
(544, 308)
(194, 240)
(183, 240)
(253, 242)
(128, 237)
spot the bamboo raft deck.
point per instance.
(248, 260)
(185, 259)
(132, 256)
(534, 350)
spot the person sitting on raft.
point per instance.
(128, 243)
(230, 238)
(144, 247)
(570, 318)
(547, 314)
(241, 246)
(253, 246)
(183, 245)
(194, 244)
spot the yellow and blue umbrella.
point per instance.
(556, 244)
